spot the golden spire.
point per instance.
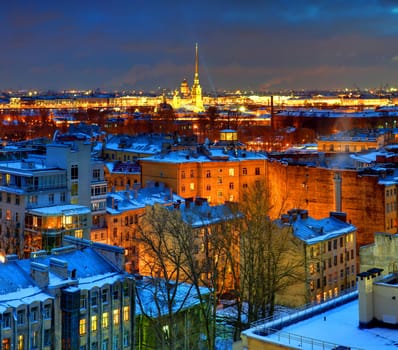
(196, 78)
(196, 92)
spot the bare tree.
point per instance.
(196, 249)
(162, 260)
(270, 255)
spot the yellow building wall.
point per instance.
(256, 344)
(218, 181)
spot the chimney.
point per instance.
(39, 273)
(337, 191)
(188, 202)
(59, 267)
(303, 214)
(338, 215)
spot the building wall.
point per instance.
(314, 189)
(385, 298)
(383, 254)
(263, 344)
(217, 181)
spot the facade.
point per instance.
(382, 254)
(153, 319)
(124, 208)
(355, 141)
(367, 196)
(218, 173)
(125, 148)
(44, 197)
(377, 299)
(118, 175)
(78, 297)
(329, 256)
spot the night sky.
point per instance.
(245, 44)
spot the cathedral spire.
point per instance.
(196, 78)
(196, 92)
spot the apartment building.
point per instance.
(77, 297)
(218, 173)
(329, 256)
(124, 209)
(45, 197)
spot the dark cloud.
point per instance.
(243, 44)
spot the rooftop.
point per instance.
(338, 326)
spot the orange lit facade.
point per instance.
(218, 179)
(119, 175)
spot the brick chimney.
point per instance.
(59, 267)
(39, 273)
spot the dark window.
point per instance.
(7, 320)
(74, 172)
(21, 317)
(257, 171)
(94, 298)
(105, 296)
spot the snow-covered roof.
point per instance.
(214, 154)
(312, 230)
(18, 287)
(340, 325)
(120, 201)
(148, 289)
(66, 210)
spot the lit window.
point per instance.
(94, 323)
(231, 172)
(79, 233)
(20, 342)
(116, 317)
(105, 320)
(126, 313)
(74, 190)
(192, 186)
(82, 326)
